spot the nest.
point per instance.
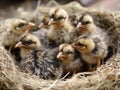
(107, 77)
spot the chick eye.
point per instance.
(81, 44)
(85, 22)
(28, 42)
(44, 22)
(61, 17)
(21, 24)
(52, 16)
(69, 52)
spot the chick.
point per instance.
(69, 59)
(37, 61)
(12, 30)
(92, 50)
(45, 22)
(85, 24)
(74, 20)
(60, 27)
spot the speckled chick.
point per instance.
(60, 26)
(92, 50)
(85, 24)
(37, 61)
(70, 60)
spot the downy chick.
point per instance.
(92, 50)
(37, 61)
(85, 24)
(12, 30)
(60, 27)
(70, 60)
(44, 23)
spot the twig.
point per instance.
(58, 80)
(38, 4)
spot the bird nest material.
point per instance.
(107, 77)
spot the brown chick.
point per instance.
(12, 30)
(74, 20)
(44, 23)
(92, 50)
(60, 27)
(70, 61)
(37, 61)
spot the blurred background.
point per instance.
(7, 7)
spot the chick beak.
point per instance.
(60, 56)
(51, 21)
(79, 25)
(19, 44)
(41, 25)
(30, 25)
(73, 45)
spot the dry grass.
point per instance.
(107, 77)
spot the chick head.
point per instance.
(84, 21)
(21, 26)
(44, 23)
(84, 45)
(66, 52)
(29, 42)
(57, 16)
(74, 20)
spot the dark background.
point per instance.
(7, 7)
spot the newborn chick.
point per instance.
(45, 22)
(12, 30)
(92, 50)
(60, 27)
(70, 61)
(85, 24)
(35, 60)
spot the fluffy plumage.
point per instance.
(85, 24)
(69, 59)
(60, 27)
(92, 50)
(12, 30)
(36, 61)
(93, 42)
(44, 23)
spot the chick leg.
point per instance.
(28, 71)
(74, 72)
(10, 48)
(90, 67)
(98, 62)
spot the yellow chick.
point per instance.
(85, 24)
(12, 30)
(69, 59)
(92, 50)
(60, 27)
